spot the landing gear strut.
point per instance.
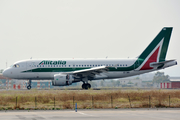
(86, 86)
(29, 85)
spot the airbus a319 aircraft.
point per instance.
(64, 72)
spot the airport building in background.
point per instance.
(174, 83)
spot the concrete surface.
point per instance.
(113, 114)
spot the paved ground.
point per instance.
(112, 114)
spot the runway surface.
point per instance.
(113, 114)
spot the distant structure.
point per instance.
(38, 84)
(7, 83)
(174, 83)
(131, 82)
(147, 76)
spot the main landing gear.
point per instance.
(29, 85)
(86, 86)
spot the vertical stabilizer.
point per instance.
(157, 49)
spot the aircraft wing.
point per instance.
(91, 72)
(94, 69)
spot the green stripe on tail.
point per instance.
(164, 33)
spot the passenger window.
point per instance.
(79, 65)
(69, 65)
(87, 65)
(84, 65)
(76, 65)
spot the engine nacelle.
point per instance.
(62, 80)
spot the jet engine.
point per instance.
(62, 80)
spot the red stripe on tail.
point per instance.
(153, 58)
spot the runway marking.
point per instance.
(84, 114)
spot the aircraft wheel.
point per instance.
(28, 87)
(86, 86)
(83, 86)
(89, 86)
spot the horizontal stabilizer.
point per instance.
(160, 64)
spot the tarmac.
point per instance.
(94, 114)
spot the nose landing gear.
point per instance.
(86, 86)
(29, 85)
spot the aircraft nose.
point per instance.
(5, 73)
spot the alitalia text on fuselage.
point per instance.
(49, 62)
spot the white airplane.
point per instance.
(64, 72)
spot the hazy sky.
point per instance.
(85, 29)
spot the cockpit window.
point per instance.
(16, 66)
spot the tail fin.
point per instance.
(157, 49)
